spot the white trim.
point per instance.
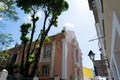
(115, 29)
(116, 67)
(114, 73)
(52, 60)
(75, 55)
(64, 59)
(41, 55)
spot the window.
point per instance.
(13, 58)
(47, 51)
(45, 69)
(76, 56)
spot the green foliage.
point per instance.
(8, 10)
(51, 9)
(47, 39)
(5, 39)
(1, 8)
(56, 23)
(31, 58)
(35, 19)
(5, 55)
(27, 6)
(10, 68)
(3, 58)
(25, 28)
(37, 46)
(55, 7)
(25, 39)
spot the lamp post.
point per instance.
(91, 55)
(92, 58)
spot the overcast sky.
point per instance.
(78, 19)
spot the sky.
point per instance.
(78, 18)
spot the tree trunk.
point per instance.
(37, 57)
(22, 60)
(27, 65)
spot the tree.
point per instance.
(5, 40)
(24, 30)
(7, 10)
(51, 9)
(3, 58)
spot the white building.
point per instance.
(107, 21)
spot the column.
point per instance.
(52, 60)
(41, 55)
(64, 59)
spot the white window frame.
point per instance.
(47, 52)
(45, 69)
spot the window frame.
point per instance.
(47, 52)
(45, 70)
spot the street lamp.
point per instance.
(92, 57)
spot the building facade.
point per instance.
(107, 21)
(60, 59)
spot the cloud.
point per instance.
(39, 14)
(0, 18)
(28, 17)
(68, 25)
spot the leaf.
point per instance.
(31, 58)
(37, 46)
(47, 39)
(1, 8)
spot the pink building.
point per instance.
(61, 59)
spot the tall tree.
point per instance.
(25, 29)
(51, 9)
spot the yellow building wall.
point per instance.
(88, 73)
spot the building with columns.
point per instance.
(64, 59)
(107, 22)
(60, 59)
